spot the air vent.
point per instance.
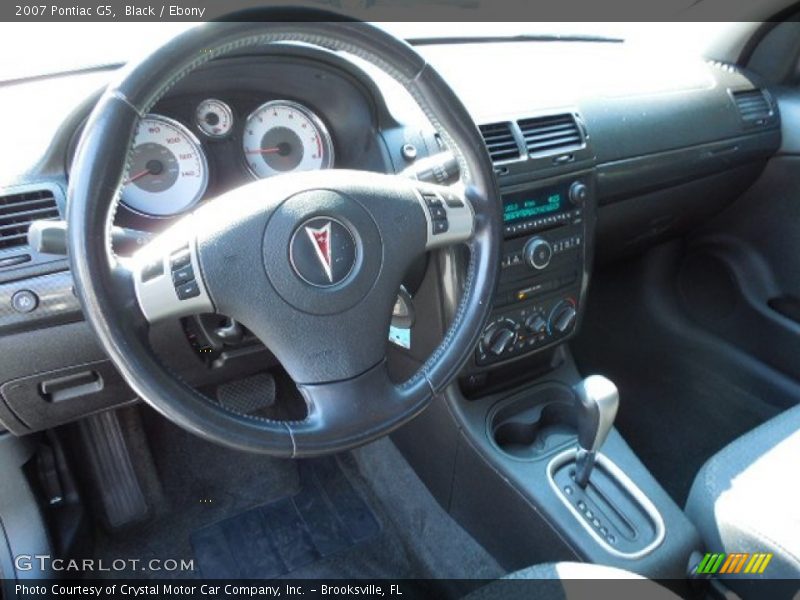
(753, 105)
(500, 141)
(18, 210)
(551, 133)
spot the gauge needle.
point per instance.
(137, 176)
(274, 150)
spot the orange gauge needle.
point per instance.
(137, 176)
(264, 151)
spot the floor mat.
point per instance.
(203, 485)
(325, 517)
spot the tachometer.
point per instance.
(282, 136)
(168, 171)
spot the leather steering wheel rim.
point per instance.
(343, 413)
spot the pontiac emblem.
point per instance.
(323, 251)
(321, 239)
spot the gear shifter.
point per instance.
(597, 401)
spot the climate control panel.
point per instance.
(519, 331)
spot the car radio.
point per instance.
(548, 232)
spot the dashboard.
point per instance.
(599, 153)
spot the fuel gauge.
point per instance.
(214, 118)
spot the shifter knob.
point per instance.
(597, 402)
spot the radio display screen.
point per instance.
(523, 206)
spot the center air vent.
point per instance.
(552, 133)
(17, 211)
(753, 105)
(500, 141)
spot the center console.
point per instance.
(523, 452)
(547, 251)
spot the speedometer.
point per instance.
(168, 172)
(282, 137)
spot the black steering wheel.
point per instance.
(311, 263)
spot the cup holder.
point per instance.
(535, 422)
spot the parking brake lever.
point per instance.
(597, 401)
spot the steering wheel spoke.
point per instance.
(167, 276)
(347, 413)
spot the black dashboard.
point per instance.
(658, 143)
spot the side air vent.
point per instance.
(551, 133)
(500, 141)
(753, 105)
(18, 210)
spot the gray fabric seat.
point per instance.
(746, 499)
(572, 581)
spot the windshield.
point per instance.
(86, 45)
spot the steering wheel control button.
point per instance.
(440, 226)
(436, 212)
(183, 275)
(153, 270)
(452, 200)
(180, 259)
(188, 290)
(24, 301)
(323, 251)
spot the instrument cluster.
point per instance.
(168, 172)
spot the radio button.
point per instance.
(578, 193)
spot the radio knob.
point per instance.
(535, 323)
(498, 339)
(563, 317)
(578, 193)
(538, 253)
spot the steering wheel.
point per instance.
(311, 263)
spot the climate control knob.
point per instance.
(538, 252)
(563, 317)
(536, 323)
(498, 338)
